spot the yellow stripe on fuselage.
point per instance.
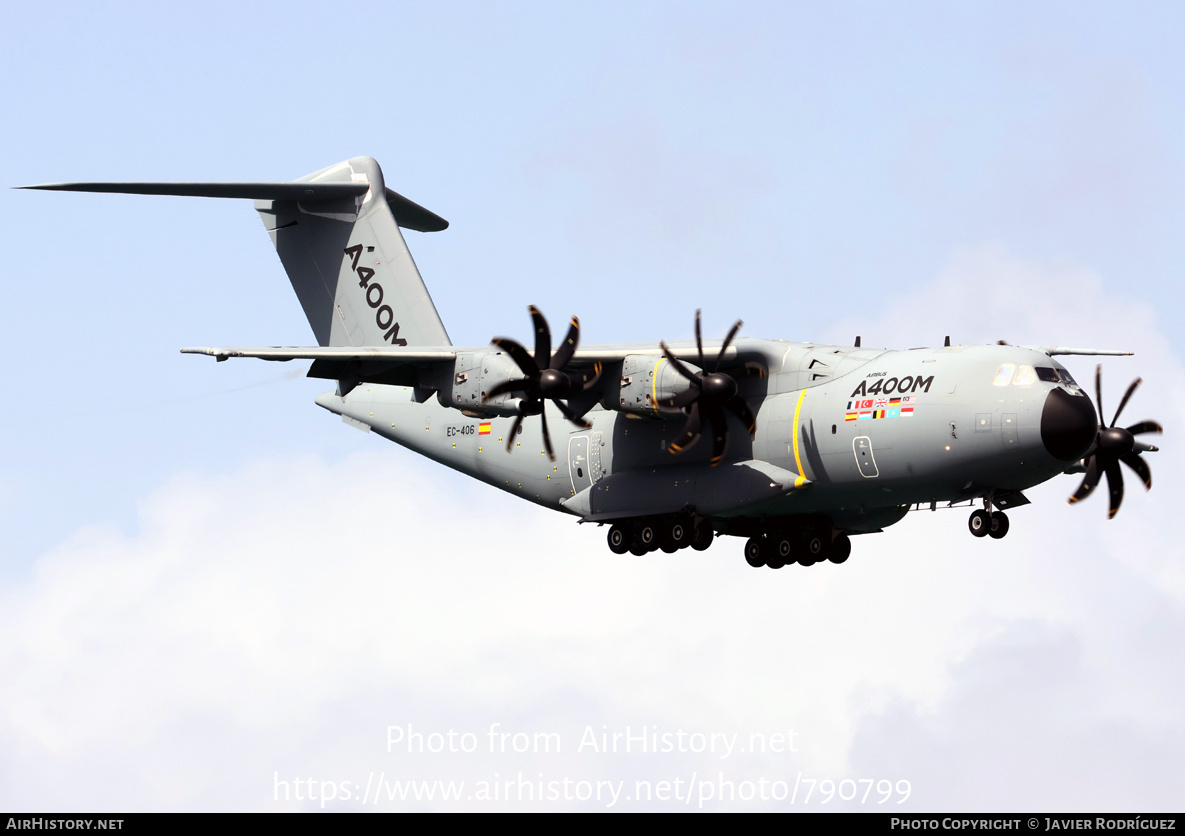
(797, 412)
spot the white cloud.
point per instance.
(278, 618)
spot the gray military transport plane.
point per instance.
(794, 446)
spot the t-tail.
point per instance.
(337, 232)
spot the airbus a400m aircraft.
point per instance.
(793, 446)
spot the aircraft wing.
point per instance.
(412, 365)
(426, 354)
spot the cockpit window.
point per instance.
(1004, 374)
(1066, 379)
(1047, 374)
(1025, 376)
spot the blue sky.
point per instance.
(900, 171)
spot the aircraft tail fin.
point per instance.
(337, 232)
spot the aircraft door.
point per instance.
(862, 448)
(579, 468)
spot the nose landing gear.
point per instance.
(984, 522)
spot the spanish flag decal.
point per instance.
(483, 428)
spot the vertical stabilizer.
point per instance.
(348, 262)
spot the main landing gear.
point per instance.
(669, 535)
(806, 548)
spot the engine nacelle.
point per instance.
(472, 375)
(645, 380)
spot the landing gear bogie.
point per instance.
(806, 547)
(670, 534)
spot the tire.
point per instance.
(619, 540)
(753, 552)
(999, 525)
(817, 545)
(703, 538)
(979, 522)
(771, 547)
(841, 548)
(645, 537)
(678, 536)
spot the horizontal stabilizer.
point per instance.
(334, 352)
(248, 191)
(408, 214)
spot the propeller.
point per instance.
(546, 379)
(709, 394)
(1113, 445)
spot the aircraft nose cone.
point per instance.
(1068, 425)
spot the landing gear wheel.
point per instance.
(805, 556)
(979, 523)
(772, 550)
(637, 549)
(753, 552)
(817, 546)
(645, 537)
(841, 548)
(999, 525)
(703, 538)
(782, 551)
(678, 536)
(619, 540)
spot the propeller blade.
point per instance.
(518, 422)
(674, 361)
(1089, 482)
(546, 435)
(680, 400)
(1115, 486)
(1098, 390)
(572, 416)
(699, 340)
(1140, 466)
(1145, 427)
(568, 346)
(727, 341)
(719, 433)
(691, 431)
(591, 376)
(740, 409)
(1126, 395)
(542, 339)
(518, 354)
(507, 386)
